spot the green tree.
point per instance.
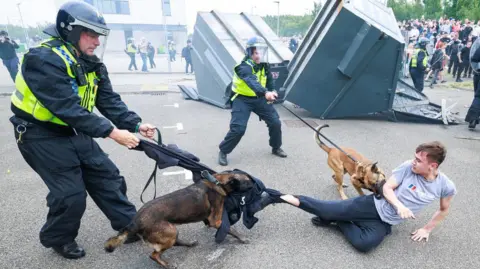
(17, 32)
(293, 25)
(450, 8)
(433, 9)
(468, 9)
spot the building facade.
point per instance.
(142, 18)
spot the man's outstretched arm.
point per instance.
(438, 217)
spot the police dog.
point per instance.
(363, 173)
(203, 201)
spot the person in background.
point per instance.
(8, 54)
(419, 63)
(436, 62)
(151, 54)
(142, 49)
(464, 61)
(187, 54)
(131, 51)
(473, 113)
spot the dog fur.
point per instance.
(203, 201)
(364, 174)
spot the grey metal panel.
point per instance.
(346, 66)
(219, 44)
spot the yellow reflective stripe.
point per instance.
(233, 98)
(59, 53)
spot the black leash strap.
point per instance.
(153, 176)
(306, 123)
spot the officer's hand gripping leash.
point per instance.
(183, 159)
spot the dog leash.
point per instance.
(306, 123)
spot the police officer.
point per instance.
(8, 54)
(253, 90)
(131, 50)
(59, 84)
(473, 114)
(419, 63)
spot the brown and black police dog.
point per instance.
(363, 173)
(202, 201)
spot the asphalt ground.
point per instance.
(284, 236)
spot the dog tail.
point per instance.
(115, 241)
(319, 141)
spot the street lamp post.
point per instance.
(278, 17)
(23, 25)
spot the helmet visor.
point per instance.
(260, 54)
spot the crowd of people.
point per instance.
(435, 46)
(448, 46)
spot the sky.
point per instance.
(39, 11)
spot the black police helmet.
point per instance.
(73, 17)
(3, 33)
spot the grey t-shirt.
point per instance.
(414, 191)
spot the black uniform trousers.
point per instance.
(474, 110)
(242, 106)
(417, 78)
(71, 166)
(455, 62)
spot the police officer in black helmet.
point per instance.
(59, 84)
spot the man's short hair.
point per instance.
(436, 151)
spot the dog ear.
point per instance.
(360, 170)
(374, 168)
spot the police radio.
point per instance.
(79, 73)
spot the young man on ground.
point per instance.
(365, 220)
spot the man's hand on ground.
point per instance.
(404, 212)
(420, 234)
(147, 130)
(124, 138)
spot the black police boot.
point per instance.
(317, 221)
(459, 80)
(222, 158)
(279, 152)
(472, 124)
(70, 251)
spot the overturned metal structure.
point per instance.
(218, 43)
(348, 66)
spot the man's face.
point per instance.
(2, 38)
(469, 44)
(256, 56)
(421, 164)
(88, 42)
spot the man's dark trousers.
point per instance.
(71, 166)
(242, 107)
(12, 66)
(474, 110)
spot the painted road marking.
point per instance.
(188, 173)
(179, 126)
(174, 105)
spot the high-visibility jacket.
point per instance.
(240, 87)
(25, 100)
(130, 48)
(415, 58)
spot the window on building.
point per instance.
(111, 6)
